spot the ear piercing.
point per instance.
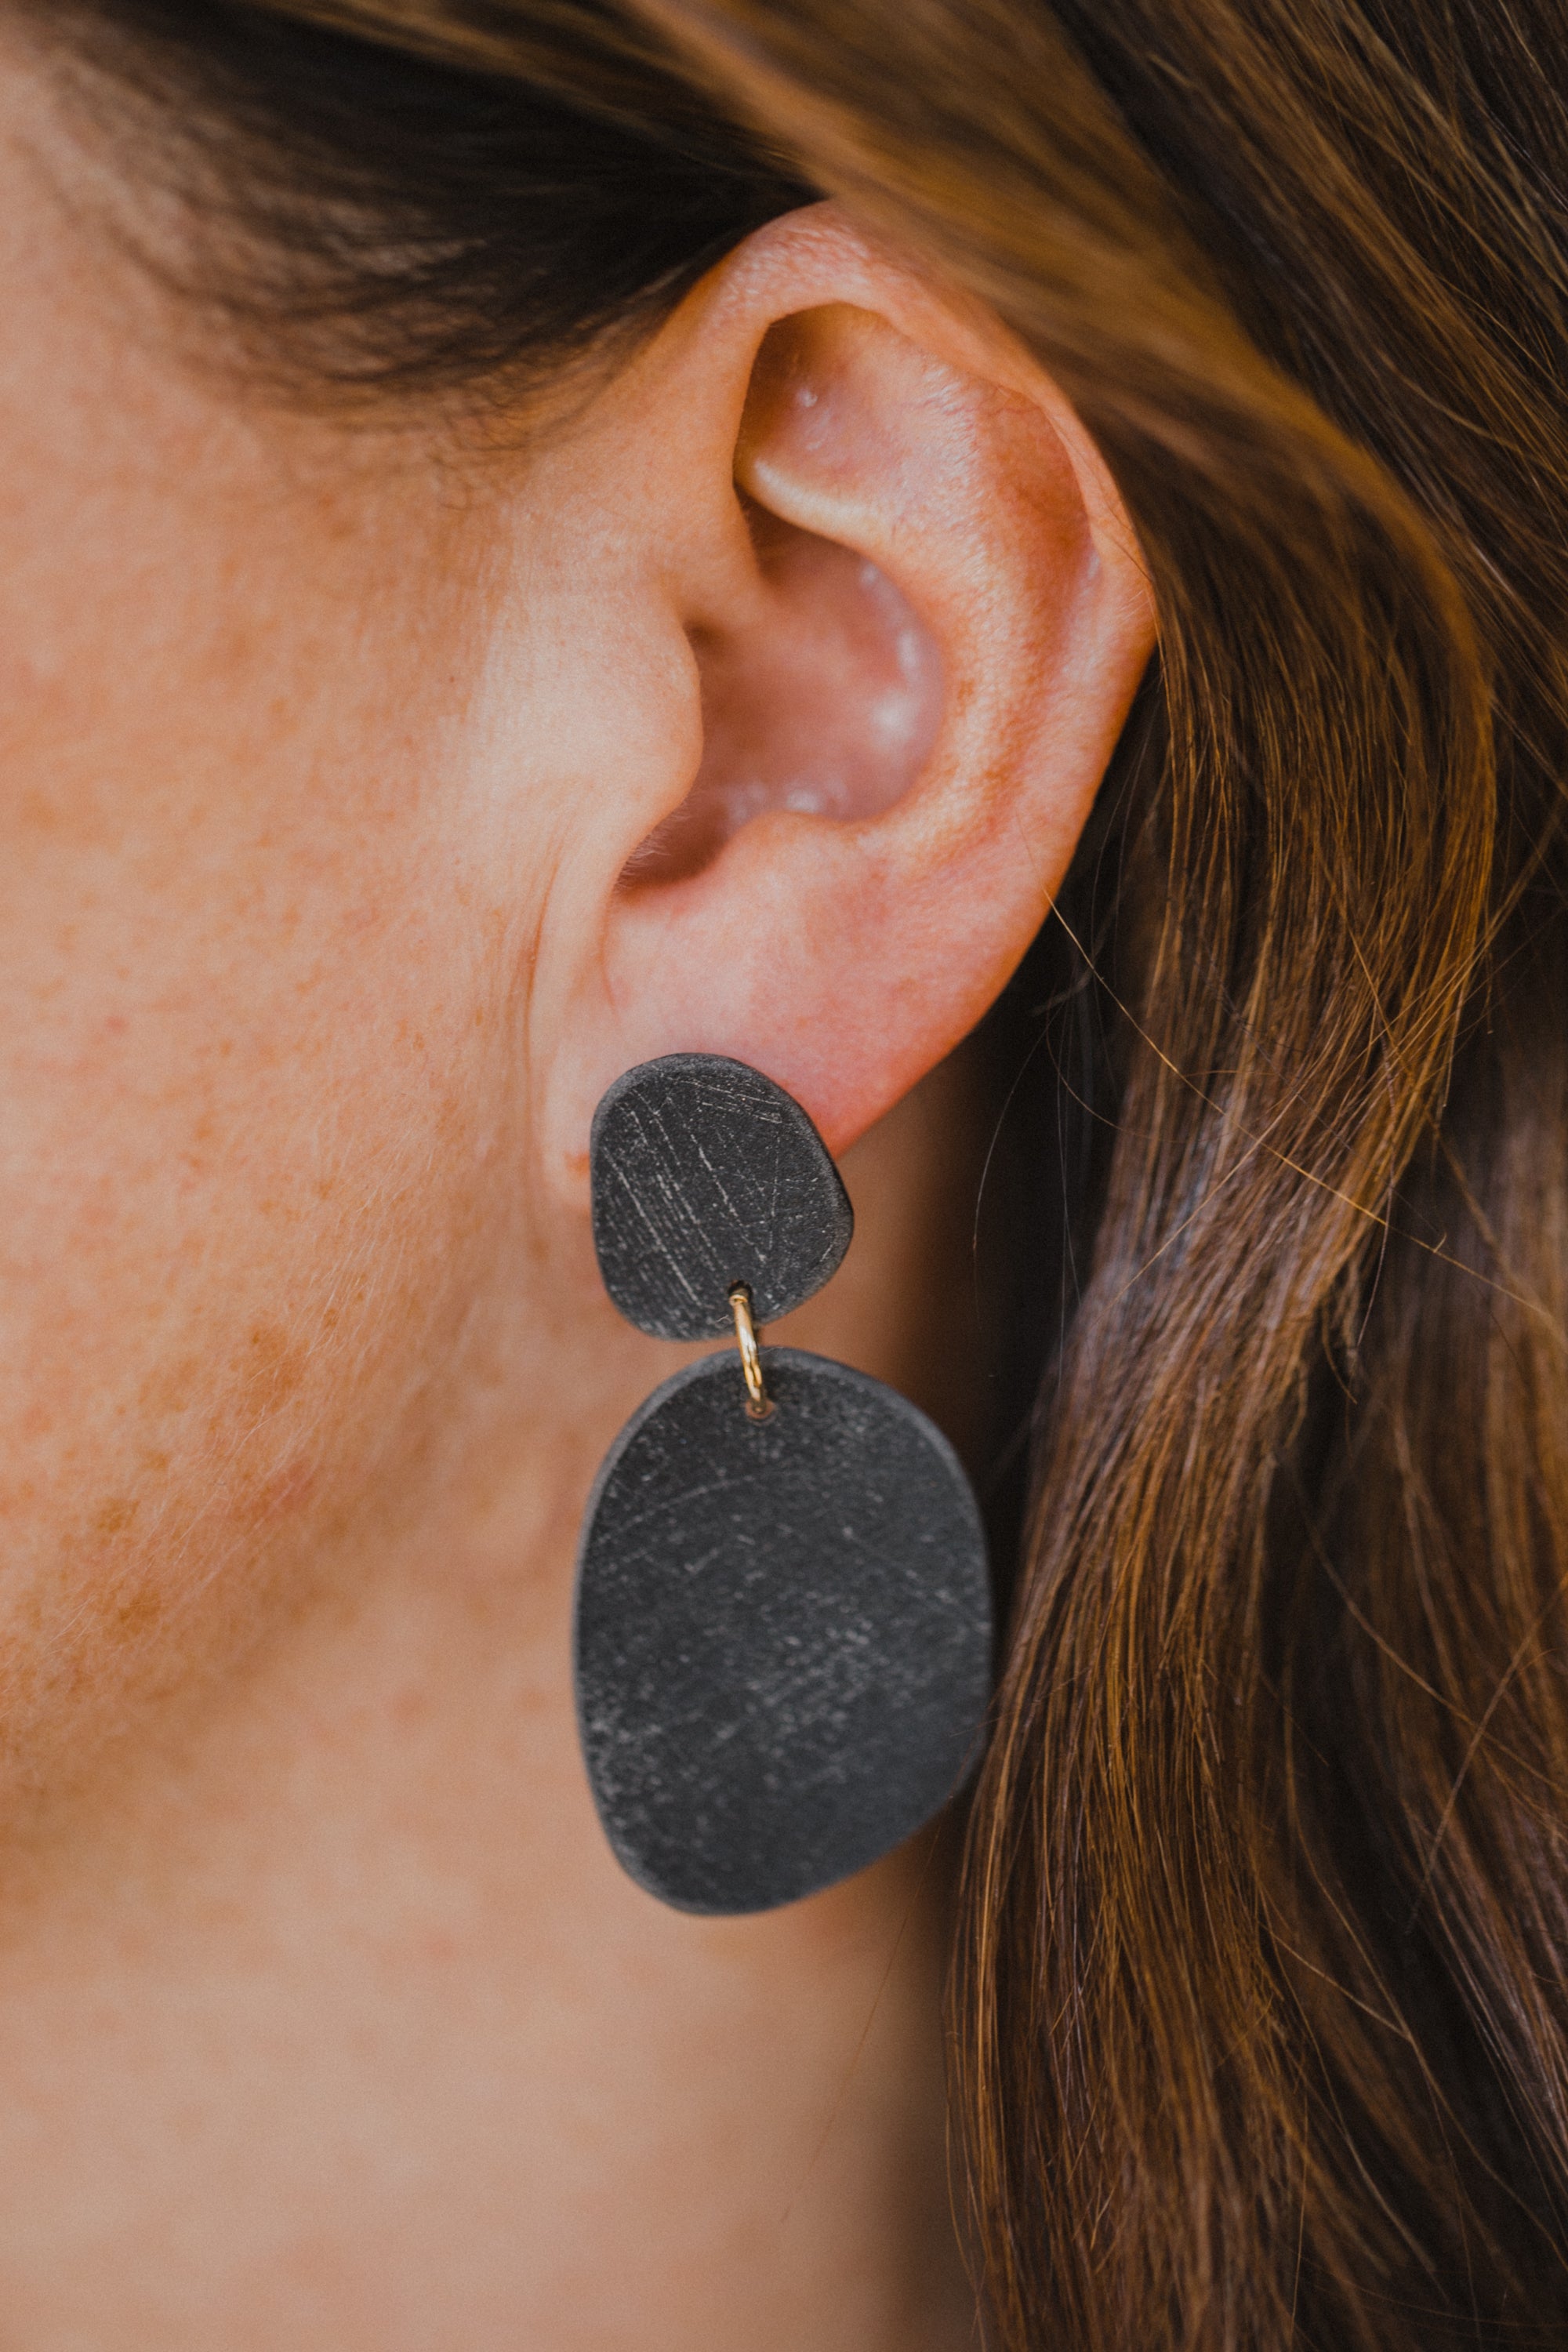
(783, 1637)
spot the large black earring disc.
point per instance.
(706, 1174)
(784, 1633)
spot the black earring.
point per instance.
(783, 1631)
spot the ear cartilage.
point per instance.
(782, 1632)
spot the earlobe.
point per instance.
(933, 626)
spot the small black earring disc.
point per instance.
(784, 1632)
(706, 1174)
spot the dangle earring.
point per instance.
(782, 1631)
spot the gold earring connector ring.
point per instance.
(758, 1404)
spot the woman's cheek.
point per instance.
(251, 1069)
(236, 1158)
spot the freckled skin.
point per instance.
(326, 2020)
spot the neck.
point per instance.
(338, 2024)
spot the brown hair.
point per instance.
(1261, 2019)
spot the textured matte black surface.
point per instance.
(784, 1641)
(706, 1174)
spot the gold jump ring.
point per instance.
(758, 1404)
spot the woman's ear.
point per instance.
(884, 616)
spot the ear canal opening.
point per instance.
(826, 706)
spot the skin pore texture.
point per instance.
(328, 749)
